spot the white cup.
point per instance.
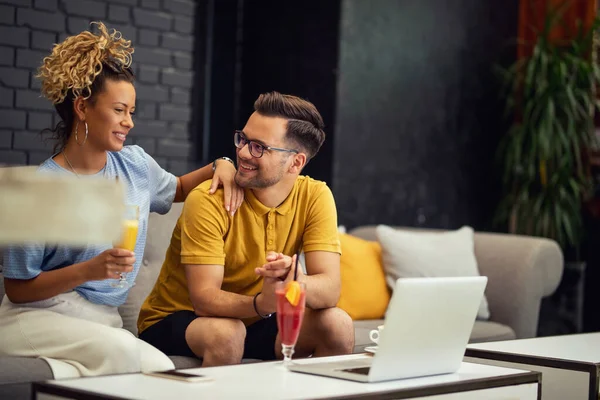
(375, 334)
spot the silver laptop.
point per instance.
(427, 327)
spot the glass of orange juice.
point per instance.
(128, 237)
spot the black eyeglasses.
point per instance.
(256, 149)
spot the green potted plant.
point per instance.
(551, 101)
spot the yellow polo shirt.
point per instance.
(206, 234)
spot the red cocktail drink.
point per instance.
(290, 312)
(289, 318)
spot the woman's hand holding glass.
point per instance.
(109, 264)
(224, 175)
(128, 239)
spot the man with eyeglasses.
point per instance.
(215, 296)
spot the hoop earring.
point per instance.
(77, 130)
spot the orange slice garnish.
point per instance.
(293, 292)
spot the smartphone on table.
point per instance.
(180, 376)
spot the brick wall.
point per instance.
(163, 37)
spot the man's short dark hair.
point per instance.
(305, 124)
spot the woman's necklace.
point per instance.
(73, 169)
(70, 165)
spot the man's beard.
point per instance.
(258, 181)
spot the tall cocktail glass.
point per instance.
(291, 303)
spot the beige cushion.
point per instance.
(429, 254)
(160, 229)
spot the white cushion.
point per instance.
(408, 254)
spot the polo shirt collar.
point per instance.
(260, 209)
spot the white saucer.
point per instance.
(371, 349)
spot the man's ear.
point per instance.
(80, 107)
(298, 163)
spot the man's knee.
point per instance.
(225, 331)
(337, 328)
(218, 338)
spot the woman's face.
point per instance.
(109, 116)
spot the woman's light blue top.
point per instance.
(147, 185)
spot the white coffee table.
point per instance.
(271, 381)
(569, 364)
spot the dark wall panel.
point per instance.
(291, 47)
(418, 114)
(221, 80)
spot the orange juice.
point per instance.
(129, 235)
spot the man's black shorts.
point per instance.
(168, 335)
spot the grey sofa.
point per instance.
(521, 271)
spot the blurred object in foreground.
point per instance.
(58, 209)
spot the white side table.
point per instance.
(570, 364)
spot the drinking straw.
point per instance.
(297, 260)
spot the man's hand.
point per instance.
(278, 266)
(299, 273)
(266, 302)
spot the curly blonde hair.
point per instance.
(78, 60)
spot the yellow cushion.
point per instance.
(364, 292)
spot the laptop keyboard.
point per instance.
(361, 370)
(360, 367)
